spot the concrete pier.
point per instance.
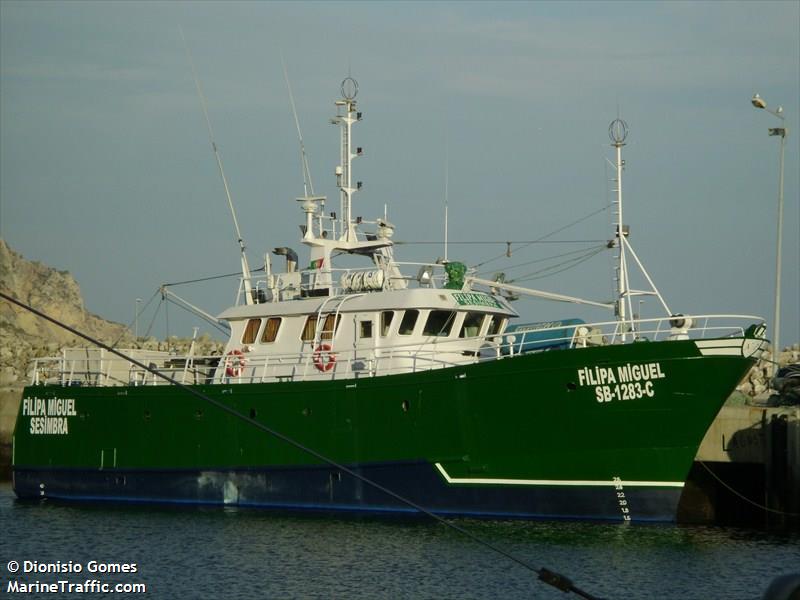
(747, 470)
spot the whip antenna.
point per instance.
(446, 189)
(245, 266)
(308, 185)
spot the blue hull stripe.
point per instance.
(322, 489)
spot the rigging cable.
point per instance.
(163, 300)
(496, 242)
(547, 576)
(138, 314)
(572, 262)
(155, 314)
(582, 251)
(544, 237)
(237, 274)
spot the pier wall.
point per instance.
(747, 470)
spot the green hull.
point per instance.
(603, 432)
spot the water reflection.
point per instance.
(211, 552)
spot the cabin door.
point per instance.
(366, 329)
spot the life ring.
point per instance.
(234, 363)
(324, 359)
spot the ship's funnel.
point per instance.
(291, 257)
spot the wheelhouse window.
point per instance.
(251, 331)
(386, 322)
(439, 323)
(496, 325)
(271, 330)
(329, 327)
(408, 322)
(472, 325)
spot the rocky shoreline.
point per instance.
(757, 383)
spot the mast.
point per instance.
(344, 171)
(623, 307)
(618, 131)
(344, 227)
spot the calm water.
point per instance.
(224, 553)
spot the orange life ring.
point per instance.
(234, 363)
(324, 359)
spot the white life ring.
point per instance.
(324, 359)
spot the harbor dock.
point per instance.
(747, 470)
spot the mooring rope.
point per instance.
(745, 498)
(545, 575)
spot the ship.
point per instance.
(413, 377)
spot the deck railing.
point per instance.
(99, 368)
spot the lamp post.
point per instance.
(759, 102)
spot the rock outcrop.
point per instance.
(23, 335)
(757, 383)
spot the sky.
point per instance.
(501, 109)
